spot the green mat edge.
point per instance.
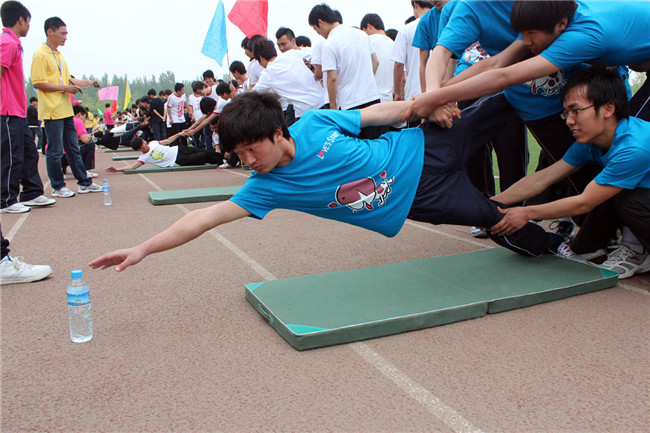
(174, 168)
(156, 201)
(369, 330)
(125, 158)
(119, 150)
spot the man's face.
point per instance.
(248, 53)
(285, 44)
(208, 81)
(180, 92)
(58, 36)
(588, 124)
(34, 103)
(23, 26)
(320, 29)
(262, 156)
(539, 40)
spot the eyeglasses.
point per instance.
(573, 113)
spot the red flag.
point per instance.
(114, 107)
(251, 16)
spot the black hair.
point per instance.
(79, 109)
(53, 23)
(162, 92)
(410, 19)
(152, 92)
(107, 105)
(244, 42)
(222, 89)
(264, 49)
(234, 83)
(325, 13)
(208, 74)
(178, 87)
(251, 117)
(11, 11)
(540, 15)
(374, 20)
(604, 86)
(168, 92)
(198, 85)
(33, 99)
(207, 105)
(254, 40)
(285, 31)
(237, 66)
(136, 143)
(391, 33)
(423, 4)
(303, 41)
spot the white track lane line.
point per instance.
(22, 219)
(423, 396)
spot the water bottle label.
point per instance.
(80, 299)
(106, 188)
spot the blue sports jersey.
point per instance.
(627, 162)
(335, 175)
(609, 32)
(426, 34)
(488, 22)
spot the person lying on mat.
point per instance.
(113, 140)
(158, 153)
(320, 167)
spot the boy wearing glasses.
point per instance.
(597, 112)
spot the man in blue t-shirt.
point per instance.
(320, 166)
(597, 112)
(560, 34)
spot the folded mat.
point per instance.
(156, 169)
(192, 195)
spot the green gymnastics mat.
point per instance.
(120, 149)
(197, 195)
(341, 307)
(174, 168)
(125, 158)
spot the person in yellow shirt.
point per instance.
(51, 77)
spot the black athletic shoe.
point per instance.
(563, 228)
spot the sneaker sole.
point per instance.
(38, 204)
(14, 211)
(32, 279)
(63, 196)
(86, 192)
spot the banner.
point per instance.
(108, 93)
(251, 16)
(215, 45)
(127, 96)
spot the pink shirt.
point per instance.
(108, 117)
(12, 85)
(80, 126)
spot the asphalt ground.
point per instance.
(177, 348)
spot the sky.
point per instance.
(147, 37)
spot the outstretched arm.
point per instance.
(182, 231)
(385, 113)
(171, 139)
(133, 166)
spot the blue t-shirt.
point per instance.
(426, 34)
(335, 175)
(609, 32)
(488, 22)
(627, 162)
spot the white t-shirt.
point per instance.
(288, 76)
(213, 92)
(348, 51)
(384, 75)
(162, 156)
(254, 71)
(169, 117)
(316, 60)
(404, 52)
(176, 108)
(194, 104)
(220, 104)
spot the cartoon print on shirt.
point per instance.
(157, 155)
(362, 193)
(547, 85)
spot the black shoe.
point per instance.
(563, 228)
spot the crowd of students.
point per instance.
(461, 79)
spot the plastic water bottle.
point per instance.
(81, 321)
(107, 193)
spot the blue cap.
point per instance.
(76, 273)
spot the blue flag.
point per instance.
(215, 45)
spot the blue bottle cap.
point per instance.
(76, 273)
(105, 180)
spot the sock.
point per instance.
(632, 242)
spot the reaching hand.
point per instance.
(422, 106)
(121, 259)
(514, 219)
(111, 170)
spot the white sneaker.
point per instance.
(566, 252)
(15, 270)
(91, 173)
(41, 200)
(62, 192)
(16, 208)
(93, 187)
(226, 165)
(478, 232)
(626, 262)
